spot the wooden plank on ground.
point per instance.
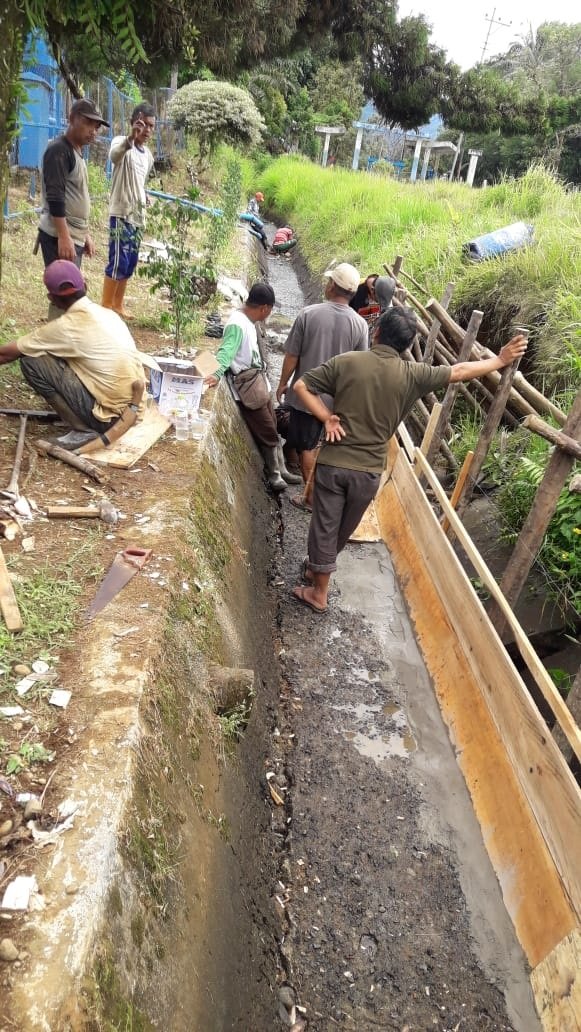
(8, 603)
(556, 983)
(530, 882)
(136, 442)
(549, 786)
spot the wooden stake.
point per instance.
(436, 325)
(397, 265)
(8, 603)
(491, 424)
(458, 488)
(535, 526)
(452, 390)
(431, 428)
(71, 459)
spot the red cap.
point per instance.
(63, 278)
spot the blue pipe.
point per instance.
(216, 212)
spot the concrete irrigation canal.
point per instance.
(274, 828)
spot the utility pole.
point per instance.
(492, 20)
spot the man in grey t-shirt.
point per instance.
(319, 333)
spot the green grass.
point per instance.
(368, 220)
(48, 602)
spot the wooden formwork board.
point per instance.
(524, 795)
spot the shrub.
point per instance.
(216, 112)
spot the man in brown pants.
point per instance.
(372, 392)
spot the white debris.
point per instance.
(40, 666)
(18, 892)
(60, 697)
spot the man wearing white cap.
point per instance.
(319, 333)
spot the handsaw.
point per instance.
(124, 566)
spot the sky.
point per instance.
(459, 26)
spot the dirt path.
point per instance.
(391, 916)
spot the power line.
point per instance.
(492, 20)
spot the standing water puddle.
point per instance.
(379, 743)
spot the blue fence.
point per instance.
(45, 113)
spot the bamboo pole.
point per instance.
(491, 424)
(458, 488)
(452, 389)
(445, 450)
(535, 526)
(538, 426)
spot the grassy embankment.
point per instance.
(368, 220)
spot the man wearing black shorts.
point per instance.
(319, 333)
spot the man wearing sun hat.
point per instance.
(85, 363)
(319, 333)
(63, 230)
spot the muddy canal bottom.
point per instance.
(389, 912)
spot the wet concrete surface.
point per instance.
(390, 913)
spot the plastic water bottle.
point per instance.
(181, 419)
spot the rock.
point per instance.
(32, 809)
(21, 669)
(6, 828)
(286, 996)
(71, 888)
(8, 951)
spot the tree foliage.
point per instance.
(216, 112)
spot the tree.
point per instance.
(77, 17)
(216, 112)
(405, 74)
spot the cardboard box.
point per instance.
(201, 365)
(176, 390)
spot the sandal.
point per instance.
(299, 503)
(298, 594)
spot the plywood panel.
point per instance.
(528, 870)
(556, 985)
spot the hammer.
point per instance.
(104, 511)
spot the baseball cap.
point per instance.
(345, 276)
(63, 278)
(87, 109)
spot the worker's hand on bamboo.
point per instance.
(515, 348)
(333, 429)
(211, 381)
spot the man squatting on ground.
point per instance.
(84, 364)
(372, 393)
(318, 333)
(64, 219)
(132, 165)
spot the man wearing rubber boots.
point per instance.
(132, 165)
(372, 393)
(239, 357)
(84, 364)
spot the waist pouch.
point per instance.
(252, 388)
